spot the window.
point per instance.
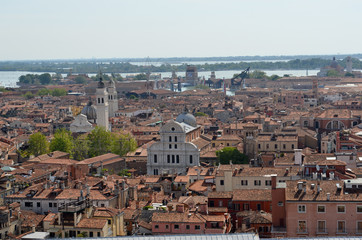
(177, 226)
(258, 206)
(197, 227)
(259, 146)
(191, 159)
(170, 139)
(98, 234)
(166, 226)
(341, 209)
(90, 234)
(301, 209)
(267, 146)
(54, 204)
(212, 203)
(222, 182)
(173, 158)
(156, 226)
(109, 222)
(187, 227)
(268, 182)
(177, 159)
(246, 206)
(302, 226)
(359, 227)
(292, 146)
(257, 182)
(168, 158)
(284, 146)
(38, 204)
(280, 204)
(170, 146)
(321, 209)
(28, 204)
(321, 227)
(359, 209)
(244, 182)
(175, 146)
(175, 138)
(236, 206)
(172, 129)
(155, 158)
(221, 203)
(341, 226)
(276, 146)
(155, 171)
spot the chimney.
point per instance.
(180, 208)
(274, 182)
(298, 157)
(198, 173)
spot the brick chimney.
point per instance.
(180, 208)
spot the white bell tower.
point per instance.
(112, 99)
(102, 104)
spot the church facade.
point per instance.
(175, 152)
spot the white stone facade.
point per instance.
(173, 154)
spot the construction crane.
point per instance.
(242, 76)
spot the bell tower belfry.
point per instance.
(102, 103)
(112, 99)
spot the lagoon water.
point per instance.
(9, 78)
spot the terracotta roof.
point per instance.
(252, 195)
(176, 217)
(92, 223)
(293, 194)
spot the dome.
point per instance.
(90, 111)
(187, 118)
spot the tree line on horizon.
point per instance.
(126, 67)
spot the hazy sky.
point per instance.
(61, 29)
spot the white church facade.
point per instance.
(175, 152)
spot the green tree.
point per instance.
(123, 143)
(333, 73)
(43, 92)
(140, 76)
(124, 173)
(100, 141)
(257, 74)
(274, 77)
(38, 144)
(201, 114)
(45, 78)
(62, 141)
(28, 95)
(80, 80)
(58, 92)
(81, 148)
(348, 74)
(233, 154)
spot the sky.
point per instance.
(73, 29)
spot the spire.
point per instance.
(100, 83)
